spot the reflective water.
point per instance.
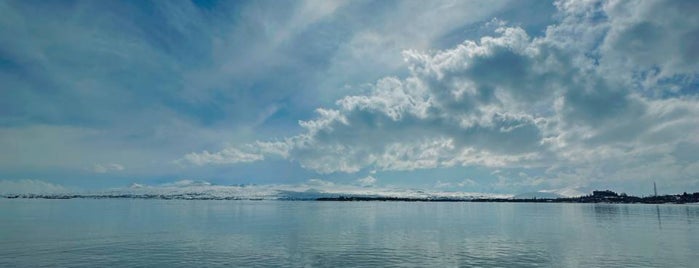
(180, 233)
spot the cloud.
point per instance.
(461, 184)
(655, 38)
(466, 183)
(229, 155)
(440, 184)
(367, 181)
(319, 183)
(104, 168)
(605, 93)
(417, 123)
(573, 101)
(30, 187)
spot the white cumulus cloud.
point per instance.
(593, 98)
(367, 181)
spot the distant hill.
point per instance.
(538, 195)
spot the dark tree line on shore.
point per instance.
(608, 196)
(605, 196)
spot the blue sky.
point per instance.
(475, 96)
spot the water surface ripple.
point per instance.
(182, 233)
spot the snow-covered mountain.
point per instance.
(311, 190)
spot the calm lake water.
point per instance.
(180, 233)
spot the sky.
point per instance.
(467, 96)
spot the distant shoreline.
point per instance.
(596, 197)
(582, 200)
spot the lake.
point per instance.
(183, 233)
